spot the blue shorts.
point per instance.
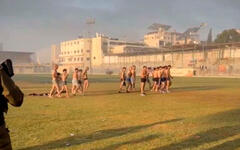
(163, 79)
(129, 80)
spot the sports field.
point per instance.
(199, 113)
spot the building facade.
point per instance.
(88, 52)
(164, 37)
(75, 53)
(102, 53)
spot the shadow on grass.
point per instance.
(136, 141)
(99, 135)
(101, 93)
(174, 89)
(231, 116)
(230, 145)
(212, 135)
(196, 88)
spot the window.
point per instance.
(88, 51)
(88, 59)
(81, 59)
(81, 51)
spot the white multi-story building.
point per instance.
(75, 53)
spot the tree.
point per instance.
(226, 36)
(209, 39)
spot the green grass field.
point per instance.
(199, 114)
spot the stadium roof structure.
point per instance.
(133, 51)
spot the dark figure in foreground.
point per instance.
(9, 93)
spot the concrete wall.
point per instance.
(229, 58)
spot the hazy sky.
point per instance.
(33, 25)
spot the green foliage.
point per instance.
(226, 36)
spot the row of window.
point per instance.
(75, 59)
(74, 52)
(72, 43)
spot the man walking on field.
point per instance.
(80, 87)
(160, 73)
(155, 79)
(143, 80)
(85, 80)
(133, 78)
(164, 79)
(122, 79)
(64, 81)
(129, 80)
(75, 81)
(149, 74)
(169, 77)
(55, 82)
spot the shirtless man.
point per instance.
(122, 79)
(163, 79)
(143, 80)
(149, 74)
(75, 81)
(80, 87)
(155, 79)
(64, 82)
(133, 79)
(160, 72)
(55, 83)
(169, 77)
(85, 80)
(129, 80)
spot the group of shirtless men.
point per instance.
(59, 82)
(161, 77)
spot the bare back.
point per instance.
(167, 73)
(64, 76)
(159, 73)
(133, 73)
(164, 73)
(123, 75)
(84, 75)
(54, 75)
(155, 74)
(75, 77)
(79, 75)
(143, 74)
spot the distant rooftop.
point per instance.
(16, 52)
